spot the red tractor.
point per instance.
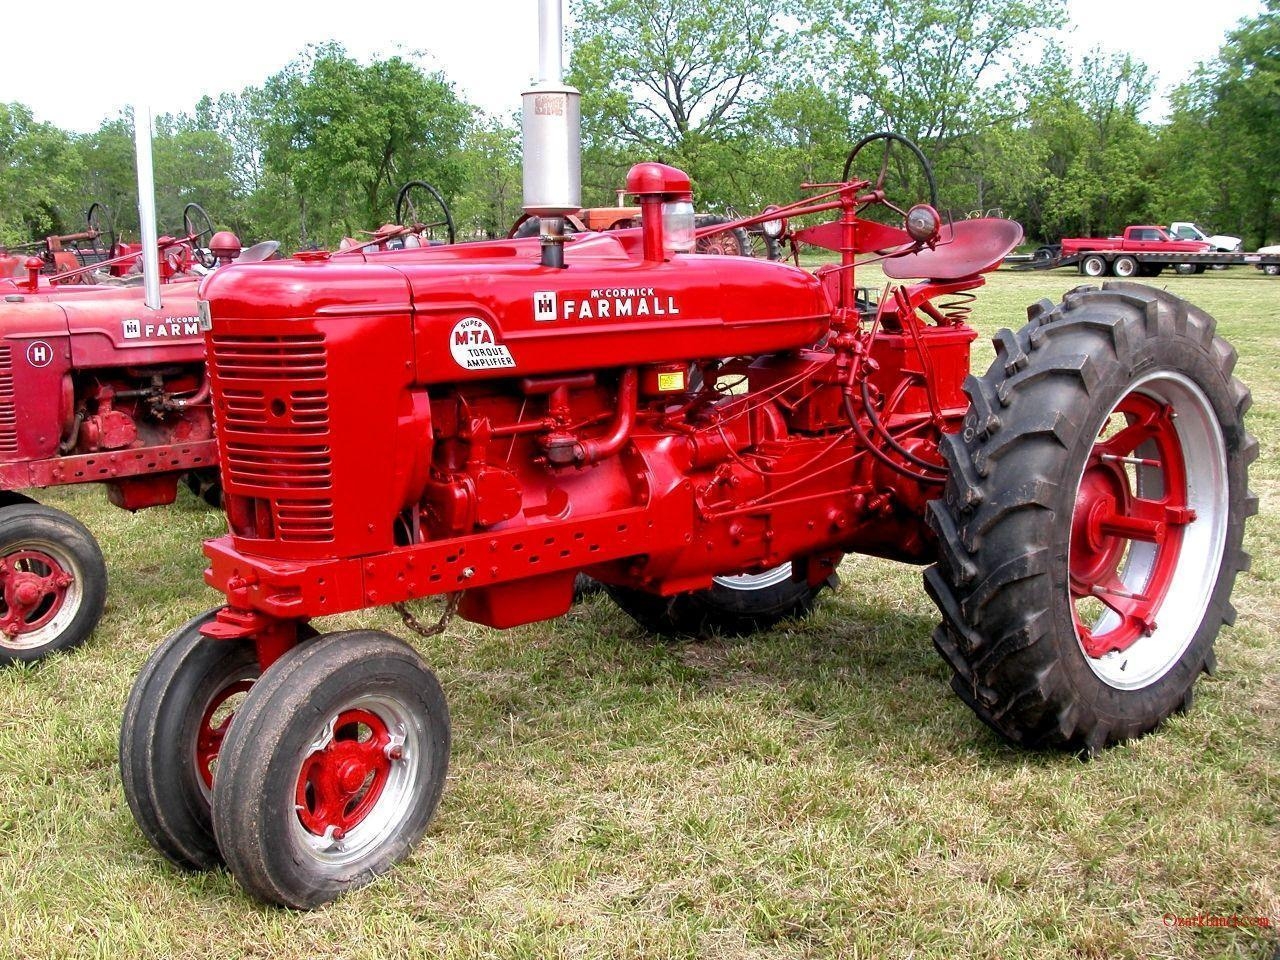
(64, 253)
(707, 436)
(95, 387)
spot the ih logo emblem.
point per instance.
(132, 329)
(544, 305)
(39, 353)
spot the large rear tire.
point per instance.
(1090, 532)
(733, 605)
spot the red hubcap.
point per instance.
(34, 586)
(1110, 517)
(341, 782)
(210, 735)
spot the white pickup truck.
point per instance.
(1218, 243)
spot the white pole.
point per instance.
(550, 42)
(147, 206)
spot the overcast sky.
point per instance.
(76, 63)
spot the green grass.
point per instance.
(816, 791)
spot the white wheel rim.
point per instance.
(1199, 558)
(748, 582)
(398, 797)
(72, 598)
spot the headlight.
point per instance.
(677, 226)
(923, 223)
(773, 229)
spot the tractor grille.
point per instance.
(8, 408)
(274, 432)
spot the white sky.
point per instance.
(78, 62)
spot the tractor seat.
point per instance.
(965, 249)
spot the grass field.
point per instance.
(816, 791)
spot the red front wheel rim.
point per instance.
(357, 780)
(39, 595)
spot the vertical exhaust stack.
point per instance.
(147, 207)
(552, 134)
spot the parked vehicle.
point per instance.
(1142, 251)
(535, 414)
(1184, 230)
(1270, 267)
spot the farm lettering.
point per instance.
(606, 303)
(134, 329)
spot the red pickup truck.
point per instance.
(1099, 255)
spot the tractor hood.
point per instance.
(484, 310)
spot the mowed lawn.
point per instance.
(816, 791)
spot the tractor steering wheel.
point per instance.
(889, 140)
(102, 226)
(197, 225)
(412, 206)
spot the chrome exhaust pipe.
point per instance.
(552, 136)
(147, 207)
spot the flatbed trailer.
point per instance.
(1125, 263)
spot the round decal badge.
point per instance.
(475, 346)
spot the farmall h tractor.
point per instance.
(482, 422)
(98, 384)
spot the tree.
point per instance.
(38, 177)
(1219, 156)
(672, 80)
(346, 136)
(943, 72)
(492, 199)
(1107, 149)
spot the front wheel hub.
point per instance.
(33, 584)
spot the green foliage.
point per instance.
(750, 99)
(677, 81)
(333, 125)
(37, 177)
(1219, 152)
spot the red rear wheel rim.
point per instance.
(1110, 514)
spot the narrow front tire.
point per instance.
(332, 768)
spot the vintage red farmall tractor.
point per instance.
(96, 386)
(482, 422)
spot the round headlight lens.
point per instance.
(923, 223)
(773, 229)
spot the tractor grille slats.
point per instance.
(8, 404)
(286, 467)
(246, 411)
(296, 357)
(274, 429)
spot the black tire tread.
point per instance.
(996, 641)
(256, 732)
